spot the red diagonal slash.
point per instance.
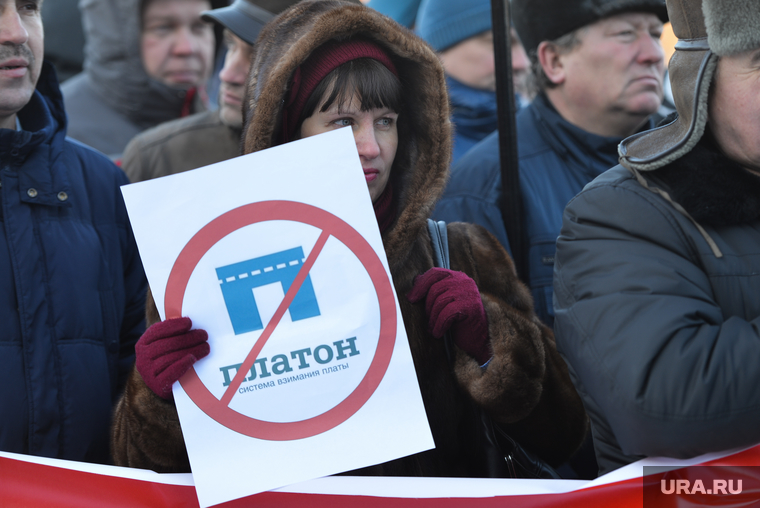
(264, 337)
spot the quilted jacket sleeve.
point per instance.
(666, 368)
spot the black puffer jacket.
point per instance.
(662, 329)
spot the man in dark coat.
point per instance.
(597, 69)
(72, 288)
(656, 278)
(146, 62)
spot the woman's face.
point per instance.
(375, 134)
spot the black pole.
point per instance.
(511, 204)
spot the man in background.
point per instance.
(597, 72)
(64, 46)
(461, 33)
(146, 62)
(211, 136)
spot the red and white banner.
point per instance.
(32, 482)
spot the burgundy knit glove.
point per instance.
(452, 301)
(166, 351)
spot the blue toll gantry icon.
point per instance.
(238, 281)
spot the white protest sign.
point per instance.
(277, 255)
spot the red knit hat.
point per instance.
(320, 63)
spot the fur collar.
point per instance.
(712, 188)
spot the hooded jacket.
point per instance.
(114, 99)
(525, 386)
(72, 287)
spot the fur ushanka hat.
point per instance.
(547, 20)
(706, 30)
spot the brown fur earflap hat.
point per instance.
(733, 26)
(727, 27)
(547, 20)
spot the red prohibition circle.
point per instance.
(264, 211)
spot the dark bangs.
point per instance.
(375, 85)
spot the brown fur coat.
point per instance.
(526, 385)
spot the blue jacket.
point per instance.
(556, 159)
(72, 287)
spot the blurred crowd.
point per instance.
(629, 331)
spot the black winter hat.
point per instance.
(246, 18)
(547, 20)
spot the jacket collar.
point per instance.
(40, 119)
(711, 187)
(594, 153)
(34, 150)
(473, 110)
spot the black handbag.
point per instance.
(517, 461)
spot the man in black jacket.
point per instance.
(656, 277)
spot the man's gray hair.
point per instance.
(538, 81)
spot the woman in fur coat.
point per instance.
(328, 64)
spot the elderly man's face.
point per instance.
(177, 46)
(618, 68)
(21, 53)
(734, 108)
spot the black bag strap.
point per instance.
(519, 462)
(440, 240)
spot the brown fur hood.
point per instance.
(525, 388)
(420, 170)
